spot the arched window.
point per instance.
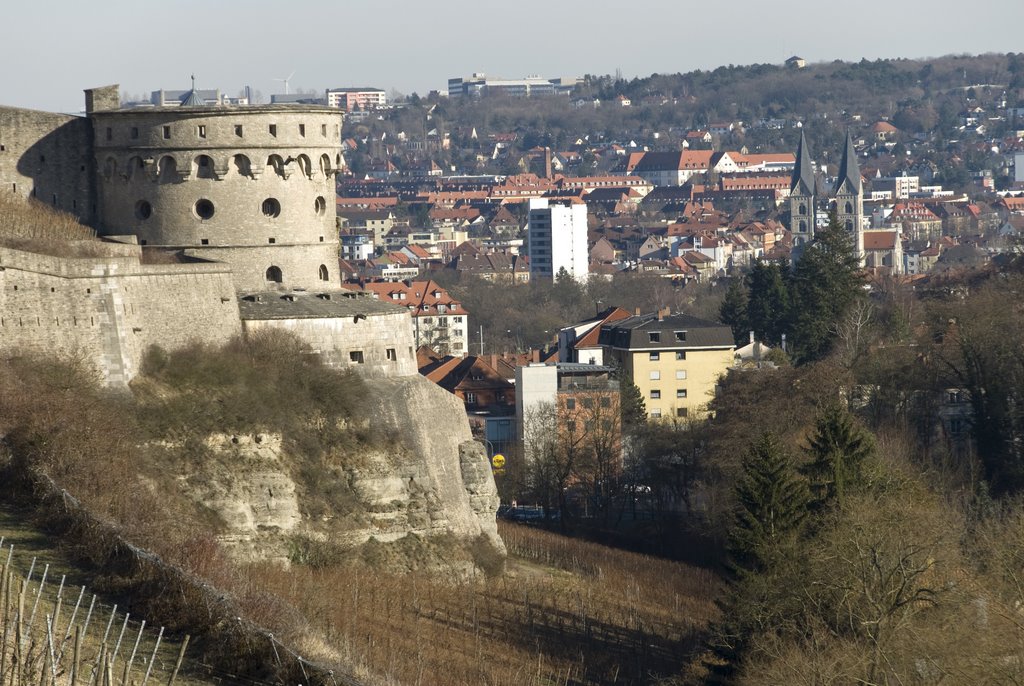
(849, 208)
(803, 208)
(242, 165)
(305, 166)
(167, 170)
(203, 167)
(325, 165)
(324, 276)
(109, 168)
(135, 168)
(803, 226)
(277, 164)
(274, 274)
(849, 225)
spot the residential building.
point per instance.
(357, 246)
(557, 239)
(439, 321)
(580, 342)
(193, 97)
(472, 379)
(349, 99)
(577, 404)
(675, 360)
(901, 187)
(673, 168)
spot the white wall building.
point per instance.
(558, 239)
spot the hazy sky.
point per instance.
(51, 50)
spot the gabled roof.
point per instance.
(465, 374)
(676, 331)
(802, 181)
(880, 240)
(608, 316)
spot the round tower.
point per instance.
(250, 186)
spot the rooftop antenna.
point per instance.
(286, 80)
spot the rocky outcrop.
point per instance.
(432, 480)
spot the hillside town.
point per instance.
(692, 379)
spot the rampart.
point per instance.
(108, 310)
(347, 330)
(49, 157)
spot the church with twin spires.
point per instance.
(847, 194)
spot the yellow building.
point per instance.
(674, 359)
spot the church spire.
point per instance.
(803, 173)
(848, 180)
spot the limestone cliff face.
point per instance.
(435, 482)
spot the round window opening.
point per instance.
(320, 205)
(271, 207)
(143, 210)
(204, 209)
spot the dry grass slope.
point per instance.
(34, 227)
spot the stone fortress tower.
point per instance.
(220, 221)
(249, 186)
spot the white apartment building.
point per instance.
(558, 239)
(901, 187)
(349, 99)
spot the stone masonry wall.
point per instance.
(108, 310)
(336, 339)
(48, 157)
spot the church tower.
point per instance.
(801, 199)
(849, 197)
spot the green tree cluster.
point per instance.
(806, 303)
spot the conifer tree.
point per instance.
(772, 504)
(837, 448)
(733, 312)
(771, 509)
(768, 302)
(632, 409)
(825, 284)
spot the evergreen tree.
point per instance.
(838, 449)
(825, 284)
(733, 312)
(771, 508)
(768, 301)
(771, 503)
(633, 411)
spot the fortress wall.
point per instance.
(49, 157)
(108, 310)
(174, 305)
(335, 339)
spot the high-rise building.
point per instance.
(558, 239)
